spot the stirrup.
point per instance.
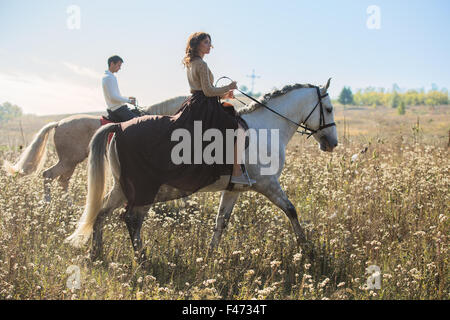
(244, 178)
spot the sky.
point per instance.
(53, 53)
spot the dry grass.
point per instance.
(389, 208)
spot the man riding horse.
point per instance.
(117, 109)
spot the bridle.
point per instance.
(306, 130)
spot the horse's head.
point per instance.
(325, 134)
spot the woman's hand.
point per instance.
(228, 95)
(233, 85)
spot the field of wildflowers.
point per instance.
(382, 198)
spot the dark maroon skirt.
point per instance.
(144, 147)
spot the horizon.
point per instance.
(53, 54)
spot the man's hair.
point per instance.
(114, 59)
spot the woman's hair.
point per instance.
(192, 46)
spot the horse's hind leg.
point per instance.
(226, 206)
(112, 201)
(59, 169)
(134, 220)
(65, 177)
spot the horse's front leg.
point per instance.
(47, 190)
(227, 202)
(278, 197)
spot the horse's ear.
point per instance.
(327, 85)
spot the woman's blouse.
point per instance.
(200, 78)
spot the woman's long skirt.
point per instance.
(145, 146)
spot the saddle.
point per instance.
(105, 120)
(112, 118)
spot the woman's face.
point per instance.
(204, 47)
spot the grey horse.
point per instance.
(295, 104)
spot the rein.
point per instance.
(306, 130)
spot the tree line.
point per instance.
(370, 96)
(9, 111)
(394, 98)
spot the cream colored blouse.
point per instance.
(200, 78)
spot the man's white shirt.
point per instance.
(111, 91)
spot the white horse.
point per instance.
(296, 103)
(71, 138)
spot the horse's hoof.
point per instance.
(211, 252)
(144, 263)
(47, 198)
(95, 256)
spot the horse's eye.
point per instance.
(329, 110)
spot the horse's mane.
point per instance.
(162, 108)
(274, 94)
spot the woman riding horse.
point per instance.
(145, 171)
(204, 95)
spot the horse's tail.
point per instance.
(32, 156)
(96, 186)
